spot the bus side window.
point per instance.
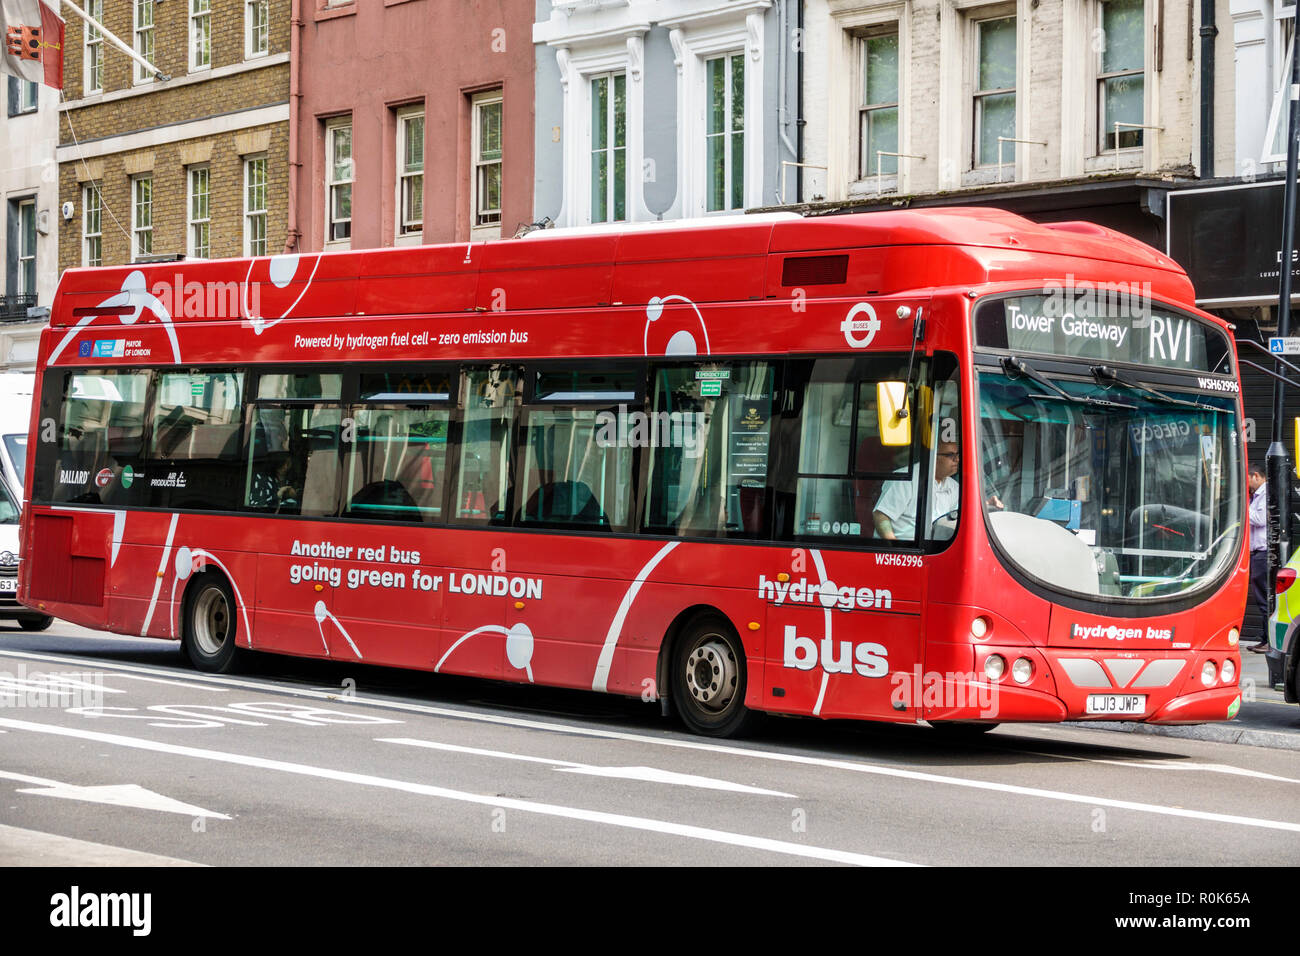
(709, 433)
(489, 399)
(293, 464)
(396, 463)
(101, 426)
(844, 472)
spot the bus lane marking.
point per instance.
(644, 774)
(1158, 765)
(770, 755)
(524, 806)
(117, 795)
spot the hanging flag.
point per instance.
(31, 42)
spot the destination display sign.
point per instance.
(1101, 325)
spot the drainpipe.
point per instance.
(292, 236)
(782, 98)
(799, 122)
(1208, 32)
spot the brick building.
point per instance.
(196, 164)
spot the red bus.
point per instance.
(947, 466)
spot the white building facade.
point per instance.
(29, 184)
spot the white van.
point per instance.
(10, 609)
(15, 418)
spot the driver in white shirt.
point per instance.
(895, 512)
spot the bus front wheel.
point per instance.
(709, 679)
(210, 626)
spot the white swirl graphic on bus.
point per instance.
(281, 270)
(133, 300)
(681, 342)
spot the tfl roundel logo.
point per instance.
(861, 319)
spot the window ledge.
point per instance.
(330, 13)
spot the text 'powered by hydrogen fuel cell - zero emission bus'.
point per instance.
(947, 466)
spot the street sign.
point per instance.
(1284, 346)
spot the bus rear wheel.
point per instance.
(709, 679)
(210, 626)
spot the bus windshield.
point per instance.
(1107, 491)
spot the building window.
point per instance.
(609, 148)
(141, 216)
(487, 112)
(200, 220)
(257, 21)
(93, 68)
(878, 112)
(23, 96)
(200, 34)
(1275, 141)
(410, 172)
(1120, 78)
(338, 180)
(995, 90)
(26, 247)
(142, 27)
(724, 134)
(255, 206)
(92, 225)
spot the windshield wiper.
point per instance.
(1104, 374)
(1015, 366)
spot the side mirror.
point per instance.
(892, 411)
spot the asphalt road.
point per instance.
(133, 758)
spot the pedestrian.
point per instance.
(1258, 484)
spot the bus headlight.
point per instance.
(1229, 672)
(1208, 673)
(979, 628)
(1234, 636)
(994, 667)
(1022, 670)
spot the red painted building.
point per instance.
(411, 121)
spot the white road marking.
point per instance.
(1169, 765)
(646, 774)
(118, 795)
(121, 670)
(683, 744)
(523, 806)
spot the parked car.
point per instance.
(10, 609)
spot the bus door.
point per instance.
(473, 632)
(843, 604)
(293, 471)
(394, 487)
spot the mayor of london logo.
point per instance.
(861, 318)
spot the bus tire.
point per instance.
(35, 623)
(210, 626)
(709, 678)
